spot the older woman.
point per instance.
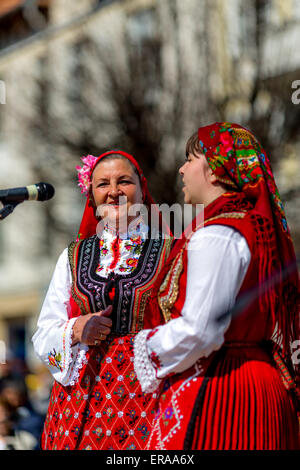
(230, 295)
(93, 309)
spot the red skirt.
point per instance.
(245, 406)
(105, 409)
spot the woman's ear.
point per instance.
(211, 176)
(214, 179)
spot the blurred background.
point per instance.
(82, 77)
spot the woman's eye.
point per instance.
(102, 185)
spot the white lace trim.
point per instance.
(67, 345)
(79, 362)
(74, 357)
(143, 366)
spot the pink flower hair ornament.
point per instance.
(84, 173)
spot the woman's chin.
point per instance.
(187, 199)
(117, 217)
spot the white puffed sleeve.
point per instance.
(53, 338)
(218, 259)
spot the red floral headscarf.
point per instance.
(238, 160)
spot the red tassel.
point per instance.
(111, 293)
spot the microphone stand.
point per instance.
(7, 209)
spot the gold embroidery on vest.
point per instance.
(139, 307)
(167, 301)
(72, 253)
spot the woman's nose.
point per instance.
(114, 190)
(181, 170)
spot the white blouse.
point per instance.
(218, 259)
(53, 338)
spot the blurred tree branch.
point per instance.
(146, 95)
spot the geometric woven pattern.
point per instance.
(106, 409)
(245, 407)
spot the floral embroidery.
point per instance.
(132, 378)
(108, 377)
(103, 247)
(120, 392)
(76, 430)
(98, 398)
(116, 253)
(55, 416)
(152, 333)
(168, 413)
(137, 240)
(98, 357)
(55, 359)
(155, 360)
(132, 415)
(109, 412)
(61, 397)
(68, 414)
(78, 397)
(86, 381)
(120, 357)
(144, 431)
(131, 447)
(119, 254)
(132, 262)
(121, 433)
(99, 433)
(60, 431)
(88, 447)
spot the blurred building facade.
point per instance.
(69, 68)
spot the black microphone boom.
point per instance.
(34, 192)
(11, 198)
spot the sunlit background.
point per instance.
(82, 77)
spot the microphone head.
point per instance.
(45, 191)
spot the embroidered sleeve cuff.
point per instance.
(66, 364)
(75, 356)
(143, 366)
(59, 356)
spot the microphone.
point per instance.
(34, 192)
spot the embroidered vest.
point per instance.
(91, 291)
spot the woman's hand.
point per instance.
(92, 328)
